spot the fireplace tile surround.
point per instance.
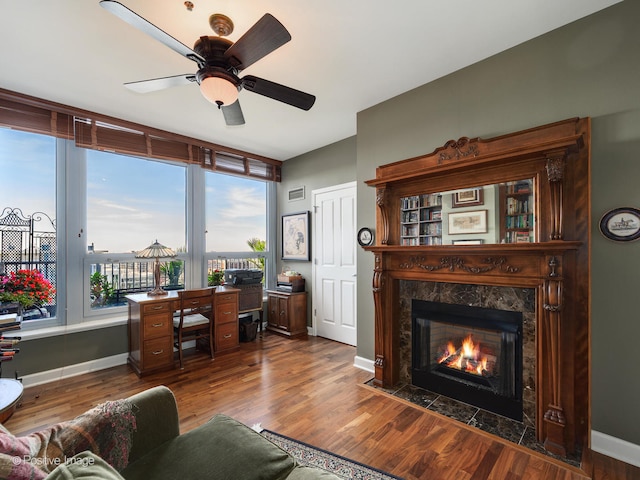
(484, 296)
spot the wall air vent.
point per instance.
(296, 194)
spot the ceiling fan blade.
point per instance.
(266, 35)
(135, 20)
(233, 114)
(287, 95)
(155, 84)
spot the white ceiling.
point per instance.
(350, 54)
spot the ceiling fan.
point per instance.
(220, 61)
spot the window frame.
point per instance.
(22, 112)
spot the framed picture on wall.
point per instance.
(296, 236)
(468, 222)
(621, 224)
(467, 198)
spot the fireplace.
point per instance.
(556, 333)
(469, 353)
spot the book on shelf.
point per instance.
(522, 187)
(8, 318)
(10, 326)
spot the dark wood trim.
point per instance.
(102, 132)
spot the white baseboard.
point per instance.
(616, 448)
(73, 370)
(364, 364)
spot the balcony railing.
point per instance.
(111, 282)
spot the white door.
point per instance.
(334, 264)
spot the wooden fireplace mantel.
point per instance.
(556, 265)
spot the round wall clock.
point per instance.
(621, 224)
(365, 236)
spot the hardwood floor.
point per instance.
(310, 390)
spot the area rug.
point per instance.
(316, 457)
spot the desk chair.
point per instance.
(195, 319)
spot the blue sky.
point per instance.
(131, 202)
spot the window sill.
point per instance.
(67, 329)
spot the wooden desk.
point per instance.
(150, 328)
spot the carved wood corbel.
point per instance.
(555, 173)
(554, 415)
(381, 201)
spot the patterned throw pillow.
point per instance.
(105, 430)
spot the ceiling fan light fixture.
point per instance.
(219, 90)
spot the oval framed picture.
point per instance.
(365, 236)
(621, 224)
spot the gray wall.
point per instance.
(588, 68)
(331, 165)
(42, 354)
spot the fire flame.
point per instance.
(467, 357)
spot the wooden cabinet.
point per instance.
(287, 313)
(421, 220)
(225, 320)
(151, 332)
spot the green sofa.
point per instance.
(139, 438)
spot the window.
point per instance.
(28, 237)
(236, 210)
(132, 202)
(236, 223)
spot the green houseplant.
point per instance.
(215, 277)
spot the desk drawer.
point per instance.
(226, 336)
(152, 308)
(226, 313)
(156, 326)
(222, 298)
(195, 302)
(158, 352)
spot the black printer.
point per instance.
(242, 277)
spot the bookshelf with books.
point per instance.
(9, 323)
(421, 219)
(517, 219)
(10, 389)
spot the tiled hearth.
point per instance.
(502, 427)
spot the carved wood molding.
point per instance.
(488, 264)
(456, 149)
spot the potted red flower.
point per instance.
(28, 288)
